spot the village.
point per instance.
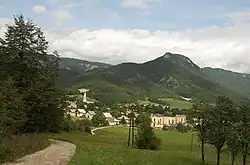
(158, 120)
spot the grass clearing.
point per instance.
(108, 147)
(181, 104)
(14, 147)
(145, 102)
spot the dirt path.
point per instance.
(95, 129)
(58, 153)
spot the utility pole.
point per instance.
(133, 127)
(129, 129)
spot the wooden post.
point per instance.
(129, 129)
(133, 126)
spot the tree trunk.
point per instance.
(202, 151)
(218, 155)
(129, 131)
(244, 159)
(244, 155)
(233, 158)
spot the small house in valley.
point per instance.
(125, 118)
(111, 120)
(89, 115)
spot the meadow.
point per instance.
(109, 147)
(174, 103)
(181, 104)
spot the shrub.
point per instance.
(169, 128)
(155, 143)
(68, 125)
(146, 138)
(88, 129)
(181, 128)
(165, 128)
(13, 147)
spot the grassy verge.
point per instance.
(14, 147)
(108, 147)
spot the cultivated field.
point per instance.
(108, 147)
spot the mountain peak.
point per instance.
(167, 55)
(179, 59)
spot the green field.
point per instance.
(145, 102)
(181, 104)
(108, 147)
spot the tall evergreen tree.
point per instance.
(34, 72)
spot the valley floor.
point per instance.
(108, 147)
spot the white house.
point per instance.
(125, 117)
(72, 108)
(81, 112)
(90, 114)
(111, 119)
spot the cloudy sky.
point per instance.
(212, 33)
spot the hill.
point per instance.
(71, 69)
(171, 75)
(237, 82)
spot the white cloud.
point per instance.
(39, 9)
(225, 47)
(61, 16)
(138, 3)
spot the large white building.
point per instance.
(158, 120)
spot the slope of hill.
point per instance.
(80, 65)
(71, 69)
(237, 82)
(171, 75)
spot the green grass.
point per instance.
(14, 147)
(145, 102)
(108, 147)
(181, 104)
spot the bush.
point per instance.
(146, 138)
(13, 147)
(181, 128)
(68, 125)
(172, 127)
(155, 143)
(82, 125)
(88, 129)
(165, 128)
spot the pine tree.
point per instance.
(34, 72)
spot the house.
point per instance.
(90, 114)
(111, 120)
(72, 105)
(159, 120)
(125, 117)
(81, 112)
(72, 108)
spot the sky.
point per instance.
(214, 33)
